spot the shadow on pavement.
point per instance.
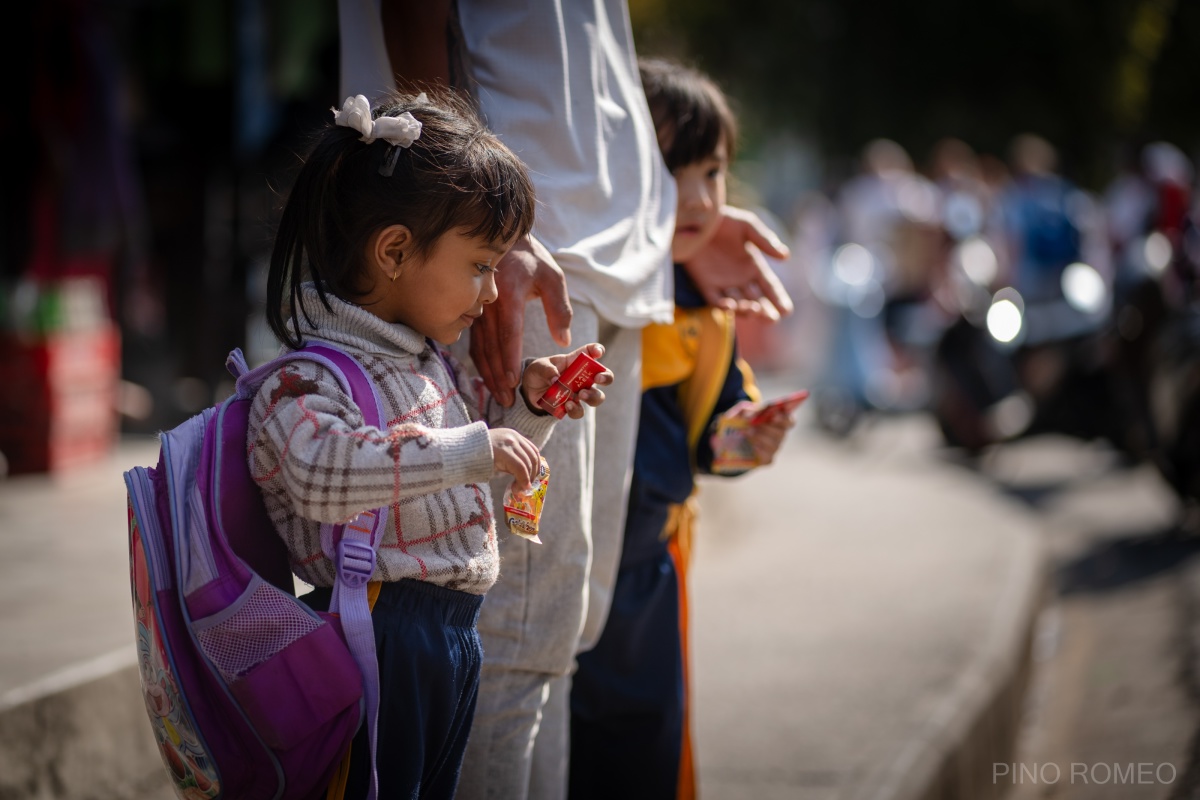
(1126, 559)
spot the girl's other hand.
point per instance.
(514, 455)
(542, 372)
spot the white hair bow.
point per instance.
(355, 113)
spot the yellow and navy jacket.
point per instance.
(691, 374)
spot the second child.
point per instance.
(629, 709)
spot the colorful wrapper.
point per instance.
(732, 452)
(523, 508)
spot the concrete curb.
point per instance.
(975, 724)
(89, 741)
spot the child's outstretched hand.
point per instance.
(542, 372)
(514, 455)
(765, 437)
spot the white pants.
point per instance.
(551, 600)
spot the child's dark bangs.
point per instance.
(697, 135)
(502, 206)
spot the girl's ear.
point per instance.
(388, 248)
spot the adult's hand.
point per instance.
(731, 271)
(526, 271)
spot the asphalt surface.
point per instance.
(1112, 711)
(862, 621)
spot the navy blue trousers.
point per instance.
(429, 660)
(627, 695)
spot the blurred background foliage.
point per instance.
(149, 141)
(1096, 77)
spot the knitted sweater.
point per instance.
(317, 462)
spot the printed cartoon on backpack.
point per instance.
(174, 728)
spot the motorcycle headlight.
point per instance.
(1084, 289)
(1005, 316)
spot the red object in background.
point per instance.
(58, 398)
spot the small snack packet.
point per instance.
(578, 376)
(523, 508)
(732, 452)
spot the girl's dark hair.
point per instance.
(690, 112)
(456, 175)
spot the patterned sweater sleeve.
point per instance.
(535, 426)
(308, 443)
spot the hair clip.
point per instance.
(389, 161)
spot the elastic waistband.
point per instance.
(454, 607)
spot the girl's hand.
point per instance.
(542, 372)
(514, 455)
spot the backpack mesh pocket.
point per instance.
(265, 623)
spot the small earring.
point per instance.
(395, 275)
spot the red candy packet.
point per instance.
(578, 376)
(780, 405)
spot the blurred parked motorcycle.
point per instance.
(1036, 347)
(1175, 400)
(1116, 359)
(1011, 367)
(1157, 323)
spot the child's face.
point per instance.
(443, 294)
(701, 191)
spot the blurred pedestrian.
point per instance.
(1170, 214)
(963, 195)
(876, 283)
(1048, 222)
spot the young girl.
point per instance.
(629, 718)
(386, 249)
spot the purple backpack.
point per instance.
(250, 693)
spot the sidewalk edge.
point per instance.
(977, 722)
